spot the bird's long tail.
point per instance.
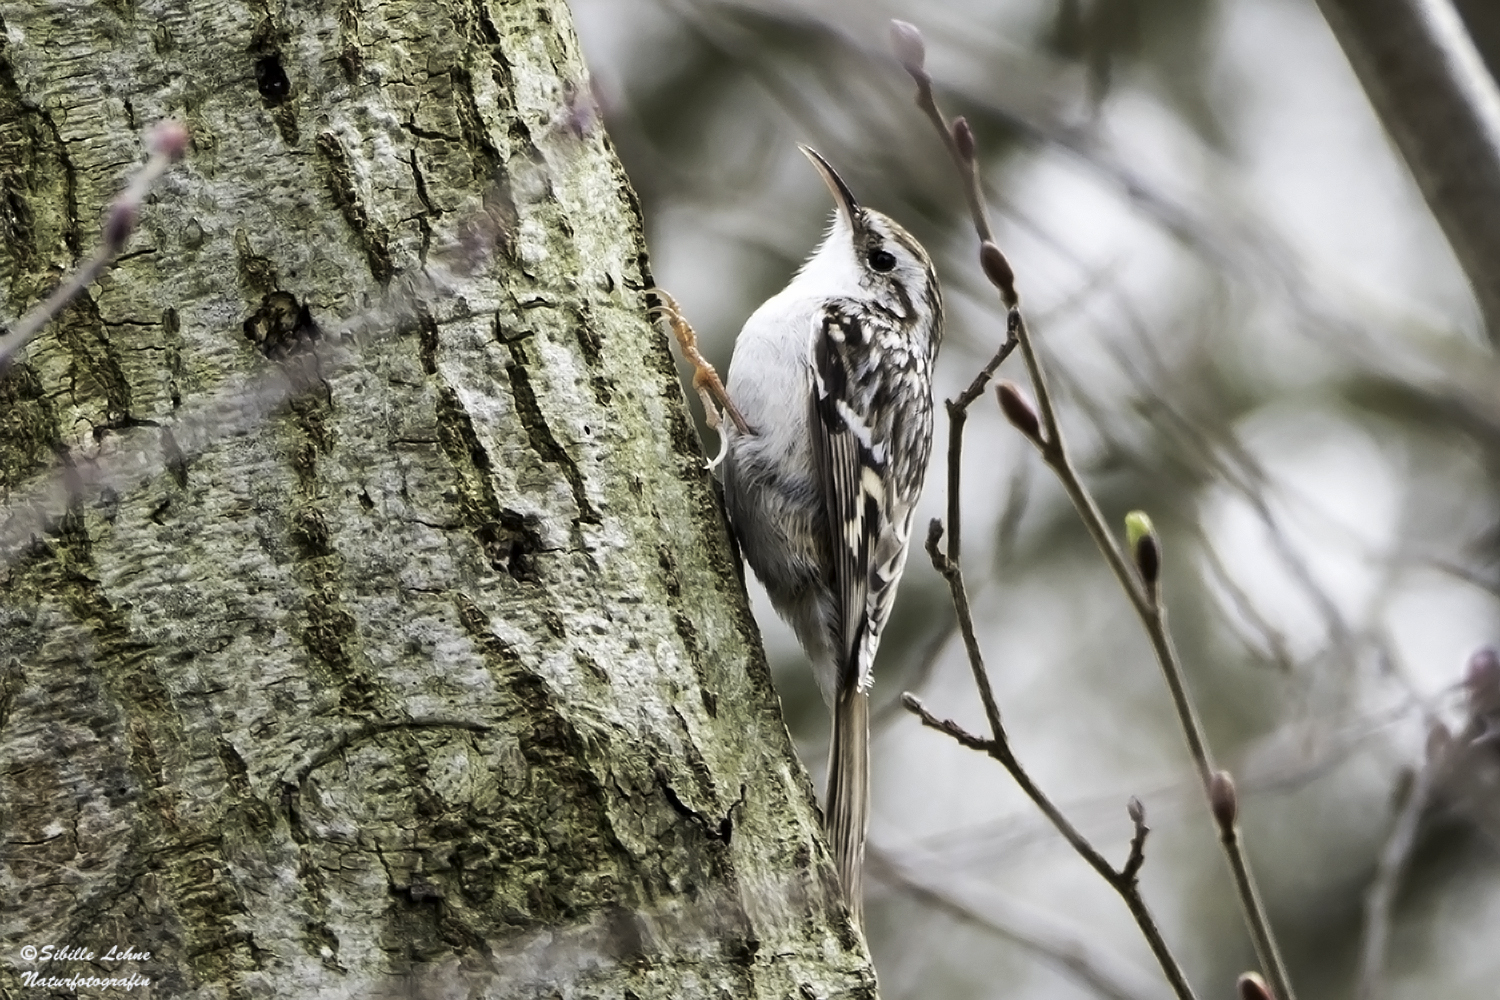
(848, 810)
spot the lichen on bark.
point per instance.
(440, 678)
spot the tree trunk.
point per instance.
(440, 680)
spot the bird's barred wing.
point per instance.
(856, 417)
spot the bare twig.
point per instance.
(1075, 956)
(948, 727)
(1448, 762)
(1152, 612)
(1137, 856)
(1123, 880)
(1381, 895)
(1264, 769)
(960, 142)
(958, 416)
(167, 142)
(1143, 594)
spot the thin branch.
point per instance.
(960, 143)
(999, 749)
(958, 416)
(1075, 956)
(1137, 856)
(1048, 438)
(1389, 869)
(167, 142)
(1429, 85)
(948, 727)
(1152, 612)
(1223, 802)
(1123, 881)
(949, 566)
(1265, 771)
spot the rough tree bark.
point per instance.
(440, 681)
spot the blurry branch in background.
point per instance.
(167, 142)
(1380, 898)
(1124, 879)
(1072, 953)
(1140, 583)
(1462, 770)
(960, 142)
(1280, 765)
(1446, 376)
(1455, 379)
(927, 660)
(1432, 91)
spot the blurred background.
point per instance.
(1258, 335)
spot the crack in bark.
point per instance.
(721, 831)
(540, 435)
(509, 539)
(340, 175)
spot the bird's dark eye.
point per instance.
(882, 260)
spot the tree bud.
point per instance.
(1018, 410)
(934, 532)
(1252, 987)
(997, 269)
(119, 224)
(1137, 810)
(911, 51)
(1223, 799)
(963, 138)
(168, 138)
(1144, 546)
(1482, 680)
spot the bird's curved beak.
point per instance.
(842, 196)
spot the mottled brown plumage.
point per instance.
(834, 378)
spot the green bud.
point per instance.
(1144, 548)
(1137, 526)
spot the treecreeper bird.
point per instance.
(832, 383)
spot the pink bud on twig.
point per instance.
(911, 51)
(1224, 800)
(168, 138)
(997, 269)
(963, 138)
(1482, 679)
(1018, 410)
(119, 224)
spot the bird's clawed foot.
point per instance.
(706, 380)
